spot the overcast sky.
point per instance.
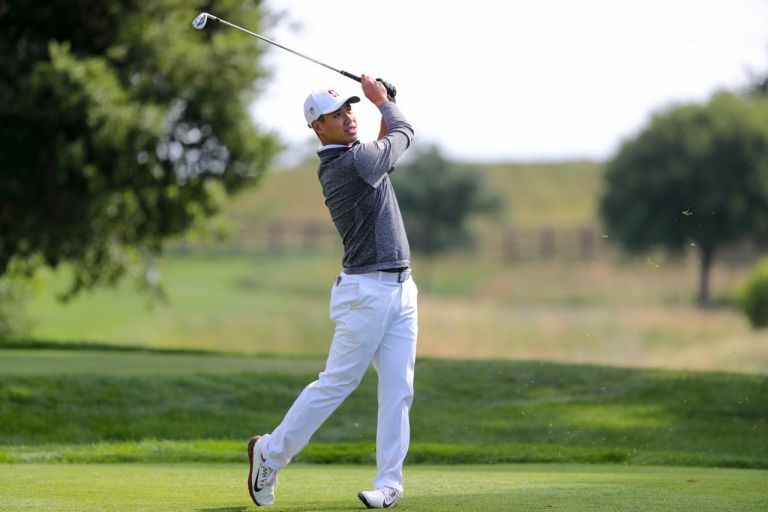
(490, 80)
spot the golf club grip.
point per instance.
(350, 75)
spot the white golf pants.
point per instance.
(376, 321)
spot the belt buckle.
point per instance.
(403, 275)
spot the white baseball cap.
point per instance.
(324, 101)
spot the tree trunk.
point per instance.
(707, 256)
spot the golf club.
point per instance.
(202, 18)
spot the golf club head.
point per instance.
(200, 21)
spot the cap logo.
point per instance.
(333, 93)
(312, 110)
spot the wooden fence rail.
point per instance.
(509, 243)
(547, 243)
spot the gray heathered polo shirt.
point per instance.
(361, 199)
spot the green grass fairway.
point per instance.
(221, 488)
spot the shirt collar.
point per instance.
(331, 146)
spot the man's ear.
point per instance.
(317, 127)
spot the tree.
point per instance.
(698, 174)
(752, 295)
(120, 127)
(437, 198)
(758, 85)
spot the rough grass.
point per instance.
(221, 487)
(630, 314)
(57, 406)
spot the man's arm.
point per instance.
(375, 159)
(382, 129)
(373, 90)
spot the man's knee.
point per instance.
(337, 385)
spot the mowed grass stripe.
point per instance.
(119, 362)
(223, 451)
(221, 487)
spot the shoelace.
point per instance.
(266, 476)
(391, 495)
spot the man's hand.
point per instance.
(374, 90)
(391, 90)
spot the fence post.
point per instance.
(587, 239)
(547, 243)
(510, 244)
(311, 235)
(275, 236)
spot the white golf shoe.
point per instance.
(261, 479)
(386, 497)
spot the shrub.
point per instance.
(752, 296)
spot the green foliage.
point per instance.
(758, 85)
(121, 127)
(437, 198)
(753, 295)
(697, 174)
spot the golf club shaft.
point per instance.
(345, 73)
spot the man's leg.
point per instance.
(394, 362)
(354, 308)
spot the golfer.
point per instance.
(373, 300)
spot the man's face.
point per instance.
(338, 127)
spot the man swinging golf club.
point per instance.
(373, 300)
